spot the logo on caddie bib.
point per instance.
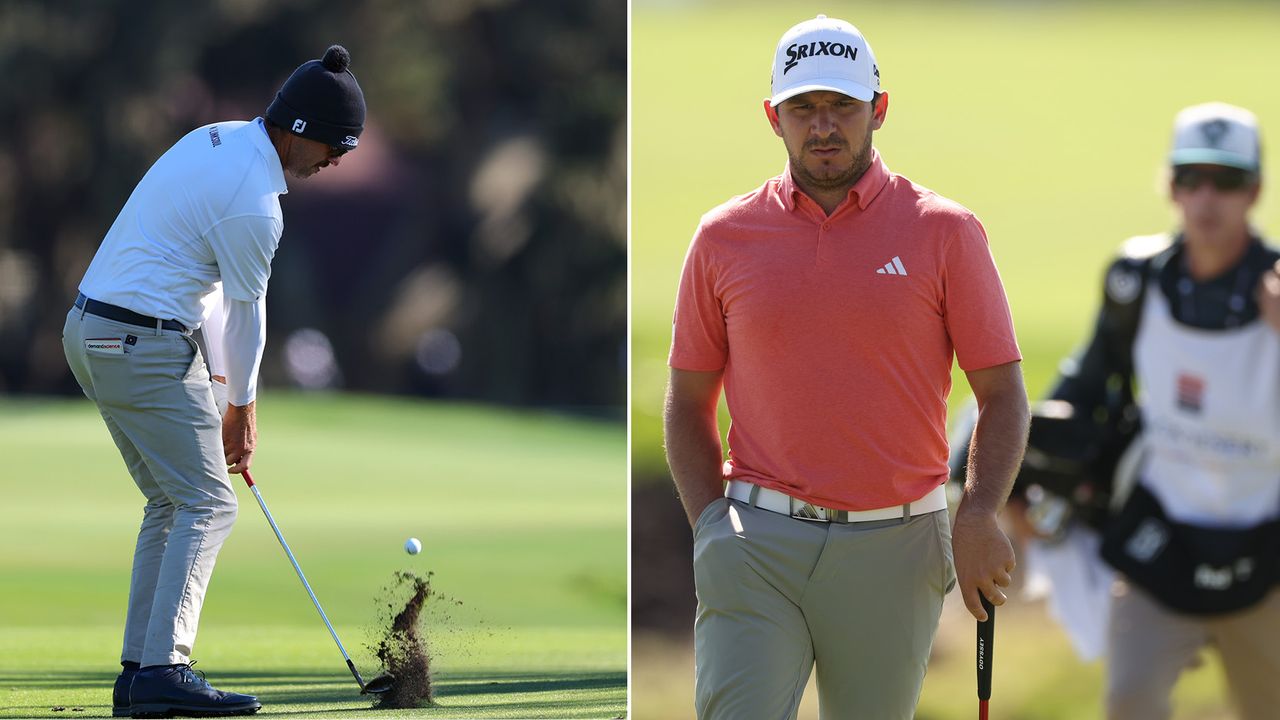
(1147, 541)
(1190, 392)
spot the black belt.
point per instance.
(124, 315)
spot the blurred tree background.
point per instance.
(473, 247)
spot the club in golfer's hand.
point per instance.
(986, 650)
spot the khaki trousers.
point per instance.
(155, 398)
(1150, 646)
(777, 596)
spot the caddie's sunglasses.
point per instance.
(1223, 179)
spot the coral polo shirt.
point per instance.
(836, 334)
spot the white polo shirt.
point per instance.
(207, 210)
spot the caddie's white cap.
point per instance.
(824, 54)
(1216, 134)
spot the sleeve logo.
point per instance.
(1123, 284)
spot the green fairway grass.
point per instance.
(522, 516)
(1050, 120)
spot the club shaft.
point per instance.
(262, 504)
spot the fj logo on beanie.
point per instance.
(322, 101)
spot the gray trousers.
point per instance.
(1150, 646)
(153, 392)
(777, 596)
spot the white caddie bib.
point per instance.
(1210, 404)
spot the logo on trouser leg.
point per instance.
(104, 346)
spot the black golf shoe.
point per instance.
(163, 691)
(120, 693)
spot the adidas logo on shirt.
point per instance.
(893, 267)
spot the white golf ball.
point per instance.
(412, 546)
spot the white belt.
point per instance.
(774, 501)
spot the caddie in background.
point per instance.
(194, 245)
(829, 303)
(1189, 336)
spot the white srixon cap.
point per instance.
(1216, 134)
(824, 54)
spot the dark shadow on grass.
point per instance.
(453, 688)
(482, 683)
(330, 688)
(320, 687)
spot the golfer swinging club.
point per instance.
(829, 303)
(203, 222)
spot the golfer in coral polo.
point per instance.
(829, 303)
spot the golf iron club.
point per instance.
(986, 652)
(376, 686)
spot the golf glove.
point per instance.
(220, 396)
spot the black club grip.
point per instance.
(986, 648)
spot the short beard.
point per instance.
(843, 181)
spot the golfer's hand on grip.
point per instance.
(984, 559)
(239, 436)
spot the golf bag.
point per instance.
(1189, 568)
(1080, 434)
(1069, 465)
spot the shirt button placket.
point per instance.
(823, 227)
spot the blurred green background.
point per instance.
(1050, 120)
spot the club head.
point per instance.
(378, 685)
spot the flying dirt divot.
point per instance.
(402, 650)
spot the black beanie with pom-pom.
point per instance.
(322, 101)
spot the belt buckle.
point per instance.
(802, 510)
